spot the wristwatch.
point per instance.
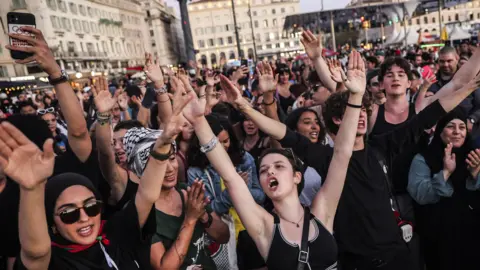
(63, 78)
(161, 90)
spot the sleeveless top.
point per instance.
(382, 126)
(322, 249)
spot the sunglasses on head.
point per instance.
(72, 215)
(44, 111)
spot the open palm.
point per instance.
(312, 44)
(356, 81)
(234, 96)
(266, 80)
(152, 69)
(173, 126)
(21, 159)
(104, 101)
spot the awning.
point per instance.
(455, 32)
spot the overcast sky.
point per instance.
(315, 5)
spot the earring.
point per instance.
(54, 230)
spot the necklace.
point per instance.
(294, 223)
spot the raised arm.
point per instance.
(465, 74)
(155, 74)
(255, 219)
(78, 136)
(325, 204)
(27, 165)
(104, 102)
(152, 178)
(313, 48)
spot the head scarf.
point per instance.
(138, 143)
(435, 152)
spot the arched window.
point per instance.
(231, 55)
(213, 59)
(203, 59)
(250, 53)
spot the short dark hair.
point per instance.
(127, 124)
(133, 90)
(416, 74)
(335, 107)
(447, 50)
(372, 74)
(32, 126)
(293, 118)
(394, 61)
(372, 59)
(27, 103)
(297, 164)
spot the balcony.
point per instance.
(76, 55)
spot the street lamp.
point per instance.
(78, 75)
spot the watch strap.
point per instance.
(61, 79)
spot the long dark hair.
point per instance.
(293, 118)
(196, 158)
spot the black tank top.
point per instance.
(322, 249)
(382, 126)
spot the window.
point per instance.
(456, 17)
(282, 10)
(90, 11)
(118, 47)
(211, 42)
(3, 71)
(425, 20)
(151, 33)
(267, 37)
(73, 8)
(418, 21)
(86, 27)
(277, 36)
(255, 23)
(449, 18)
(269, 46)
(55, 22)
(76, 25)
(257, 37)
(62, 5)
(201, 44)
(274, 22)
(52, 4)
(220, 41)
(229, 40)
(274, 11)
(82, 10)
(93, 27)
(265, 23)
(409, 21)
(254, 13)
(434, 20)
(66, 24)
(153, 44)
(71, 47)
(19, 4)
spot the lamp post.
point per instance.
(236, 29)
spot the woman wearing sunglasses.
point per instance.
(61, 222)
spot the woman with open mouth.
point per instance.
(280, 237)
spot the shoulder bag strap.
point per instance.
(303, 255)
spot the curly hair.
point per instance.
(386, 66)
(335, 108)
(292, 121)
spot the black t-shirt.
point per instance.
(365, 224)
(126, 240)
(9, 200)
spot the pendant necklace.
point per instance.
(294, 223)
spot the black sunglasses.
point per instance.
(72, 215)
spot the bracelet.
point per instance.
(103, 115)
(161, 90)
(209, 146)
(162, 157)
(268, 104)
(209, 222)
(103, 121)
(354, 106)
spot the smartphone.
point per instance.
(244, 63)
(16, 20)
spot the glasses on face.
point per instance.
(375, 84)
(72, 215)
(44, 111)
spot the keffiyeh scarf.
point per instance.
(138, 143)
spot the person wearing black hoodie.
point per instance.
(444, 181)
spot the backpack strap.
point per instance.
(304, 253)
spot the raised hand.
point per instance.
(21, 159)
(42, 55)
(449, 162)
(153, 70)
(336, 70)
(173, 126)
(312, 44)
(428, 81)
(137, 100)
(355, 81)
(195, 109)
(122, 100)
(195, 202)
(240, 73)
(104, 102)
(473, 161)
(266, 80)
(234, 96)
(211, 78)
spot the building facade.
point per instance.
(165, 32)
(260, 26)
(85, 35)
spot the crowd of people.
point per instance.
(370, 161)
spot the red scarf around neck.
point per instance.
(74, 248)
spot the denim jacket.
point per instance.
(220, 200)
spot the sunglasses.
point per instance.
(44, 111)
(375, 84)
(72, 215)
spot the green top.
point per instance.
(167, 231)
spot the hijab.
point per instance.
(435, 152)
